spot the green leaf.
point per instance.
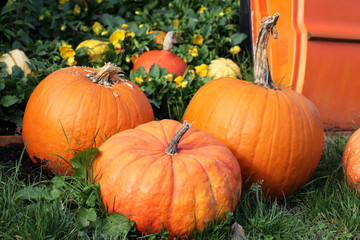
(206, 30)
(82, 161)
(17, 72)
(154, 71)
(237, 38)
(117, 225)
(85, 216)
(37, 193)
(140, 72)
(8, 100)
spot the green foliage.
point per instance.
(74, 202)
(167, 97)
(40, 27)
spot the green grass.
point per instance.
(44, 208)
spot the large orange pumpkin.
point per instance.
(75, 108)
(164, 58)
(160, 176)
(351, 160)
(276, 134)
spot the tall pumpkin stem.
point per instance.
(261, 69)
(172, 148)
(108, 75)
(169, 41)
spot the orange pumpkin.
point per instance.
(164, 58)
(75, 108)
(351, 160)
(160, 176)
(276, 134)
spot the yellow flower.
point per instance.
(124, 26)
(176, 22)
(198, 39)
(77, 10)
(127, 59)
(41, 17)
(221, 14)
(71, 61)
(141, 25)
(63, 1)
(202, 9)
(118, 35)
(169, 77)
(193, 51)
(97, 27)
(201, 70)
(170, 5)
(184, 84)
(137, 12)
(134, 58)
(99, 1)
(63, 27)
(85, 29)
(178, 81)
(235, 50)
(103, 33)
(139, 80)
(117, 47)
(66, 51)
(228, 10)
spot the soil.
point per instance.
(14, 155)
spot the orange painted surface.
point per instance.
(317, 54)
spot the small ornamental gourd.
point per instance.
(76, 108)
(351, 160)
(163, 174)
(96, 49)
(18, 58)
(164, 58)
(223, 67)
(275, 133)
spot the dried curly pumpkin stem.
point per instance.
(169, 41)
(172, 148)
(108, 75)
(261, 68)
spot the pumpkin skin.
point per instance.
(67, 102)
(277, 136)
(96, 49)
(164, 58)
(223, 67)
(142, 182)
(18, 58)
(275, 133)
(351, 160)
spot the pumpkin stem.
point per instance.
(261, 68)
(169, 41)
(172, 148)
(108, 75)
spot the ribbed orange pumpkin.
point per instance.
(276, 134)
(68, 111)
(160, 176)
(164, 58)
(351, 160)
